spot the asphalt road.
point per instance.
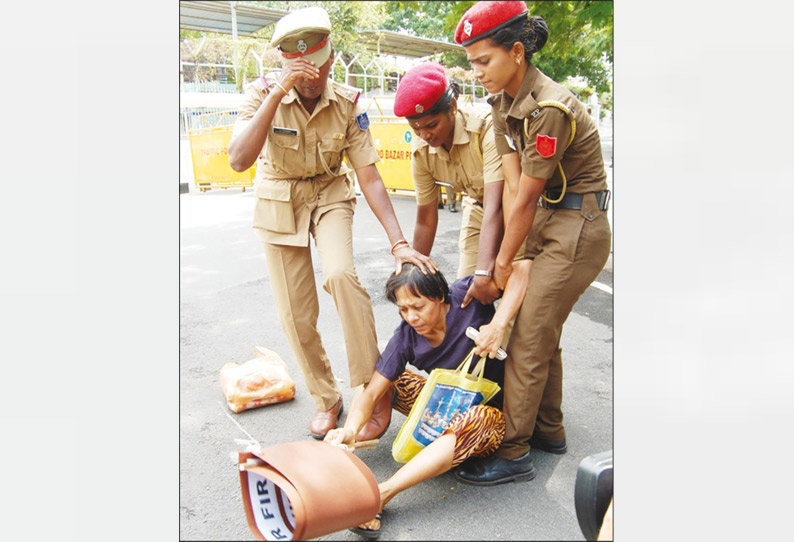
(226, 308)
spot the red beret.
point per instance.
(484, 19)
(420, 89)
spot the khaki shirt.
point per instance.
(582, 161)
(466, 167)
(291, 179)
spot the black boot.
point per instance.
(496, 470)
(551, 446)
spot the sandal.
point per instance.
(370, 534)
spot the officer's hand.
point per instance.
(407, 254)
(296, 69)
(501, 273)
(483, 289)
(489, 340)
(341, 435)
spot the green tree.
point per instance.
(579, 44)
(580, 41)
(424, 19)
(427, 20)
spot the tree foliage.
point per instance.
(579, 44)
(580, 41)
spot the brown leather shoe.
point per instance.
(380, 419)
(325, 420)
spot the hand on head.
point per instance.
(297, 69)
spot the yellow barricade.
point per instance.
(392, 136)
(209, 150)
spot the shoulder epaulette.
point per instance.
(476, 117)
(418, 143)
(257, 84)
(269, 79)
(347, 92)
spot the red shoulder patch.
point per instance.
(546, 145)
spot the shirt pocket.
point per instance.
(473, 181)
(282, 151)
(331, 151)
(273, 210)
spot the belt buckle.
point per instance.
(606, 195)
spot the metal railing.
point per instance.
(376, 78)
(210, 86)
(195, 117)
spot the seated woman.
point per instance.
(433, 335)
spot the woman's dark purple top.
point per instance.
(407, 346)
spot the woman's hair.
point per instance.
(432, 286)
(532, 33)
(444, 103)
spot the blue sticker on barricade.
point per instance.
(408, 137)
(363, 121)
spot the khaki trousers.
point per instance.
(292, 279)
(569, 249)
(469, 239)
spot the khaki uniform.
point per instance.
(302, 188)
(472, 162)
(569, 248)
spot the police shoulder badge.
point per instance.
(345, 91)
(546, 145)
(363, 121)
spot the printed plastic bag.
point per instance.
(261, 381)
(446, 394)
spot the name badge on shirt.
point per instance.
(285, 131)
(510, 141)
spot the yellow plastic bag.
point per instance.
(261, 381)
(446, 394)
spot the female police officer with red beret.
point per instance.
(455, 146)
(551, 155)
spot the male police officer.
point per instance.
(296, 129)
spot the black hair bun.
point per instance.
(541, 31)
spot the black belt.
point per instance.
(319, 177)
(574, 201)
